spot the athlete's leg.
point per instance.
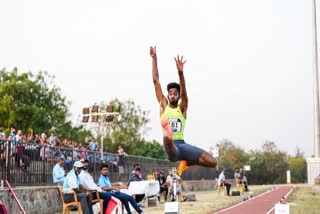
(194, 155)
(207, 160)
(170, 149)
(168, 143)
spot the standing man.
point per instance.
(244, 180)
(121, 156)
(105, 184)
(72, 182)
(58, 172)
(173, 117)
(86, 180)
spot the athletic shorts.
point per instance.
(184, 151)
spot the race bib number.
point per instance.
(175, 125)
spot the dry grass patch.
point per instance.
(305, 200)
(208, 201)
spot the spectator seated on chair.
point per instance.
(72, 183)
(237, 179)
(86, 180)
(222, 181)
(137, 176)
(163, 186)
(58, 173)
(105, 184)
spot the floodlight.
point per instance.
(85, 112)
(109, 108)
(95, 108)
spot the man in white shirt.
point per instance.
(72, 182)
(58, 173)
(222, 181)
(86, 180)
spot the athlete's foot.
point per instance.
(166, 127)
(182, 166)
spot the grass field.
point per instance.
(208, 201)
(305, 200)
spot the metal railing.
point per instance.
(29, 164)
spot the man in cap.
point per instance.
(86, 180)
(72, 182)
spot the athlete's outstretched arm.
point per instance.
(155, 76)
(183, 90)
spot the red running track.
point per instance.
(263, 203)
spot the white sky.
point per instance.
(248, 70)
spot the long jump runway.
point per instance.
(261, 204)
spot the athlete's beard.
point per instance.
(174, 102)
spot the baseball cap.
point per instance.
(78, 164)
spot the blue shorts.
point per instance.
(184, 151)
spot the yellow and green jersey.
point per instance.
(176, 121)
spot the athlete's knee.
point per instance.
(207, 160)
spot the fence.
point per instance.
(29, 164)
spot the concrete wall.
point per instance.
(46, 200)
(34, 200)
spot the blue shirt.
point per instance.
(104, 182)
(58, 174)
(92, 146)
(53, 140)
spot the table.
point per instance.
(149, 188)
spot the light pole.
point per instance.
(100, 116)
(315, 82)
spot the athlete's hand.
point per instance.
(153, 52)
(180, 63)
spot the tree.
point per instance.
(154, 149)
(129, 131)
(268, 166)
(31, 101)
(298, 168)
(230, 155)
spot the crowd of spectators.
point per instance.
(19, 148)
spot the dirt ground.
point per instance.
(207, 201)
